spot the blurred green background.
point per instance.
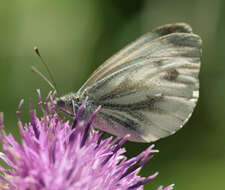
(75, 37)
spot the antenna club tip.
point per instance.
(36, 50)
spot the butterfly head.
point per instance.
(68, 104)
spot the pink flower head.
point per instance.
(54, 155)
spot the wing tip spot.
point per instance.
(195, 94)
(171, 75)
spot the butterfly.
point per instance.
(147, 90)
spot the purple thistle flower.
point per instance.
(54, 155)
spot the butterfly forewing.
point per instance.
(150, 88)
(129, 50)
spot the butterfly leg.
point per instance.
(74, 110)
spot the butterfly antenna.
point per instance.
(53, 83)
(36, 71)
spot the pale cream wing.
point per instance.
(137, 48)
(151, 102)
(151, 92)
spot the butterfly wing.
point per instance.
(150, 88)
(130, 51)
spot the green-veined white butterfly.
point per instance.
(148, 89)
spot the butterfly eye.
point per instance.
(61, 103)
